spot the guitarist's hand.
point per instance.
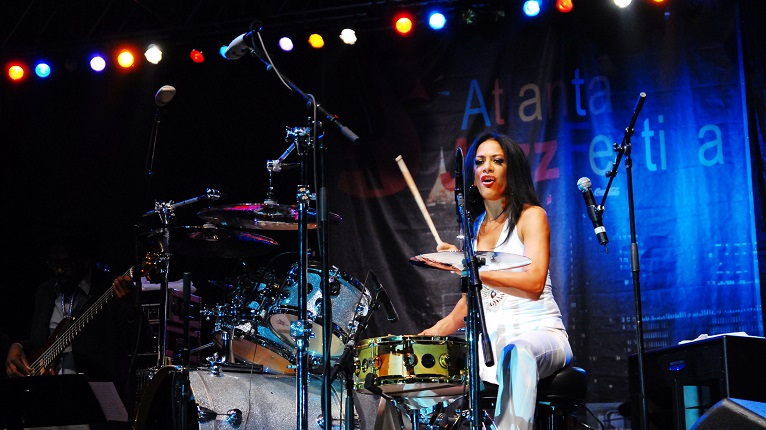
(16, 363)
(123, 286)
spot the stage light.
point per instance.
(348, 36)
(436, 20)
(97, 63)
(564, 6)
(403, 24)
(622, 3)
(16, 72)
(197, 56)
(125, 59)
(531, 7)
(153, 54)
(42, 70)
(286, 44)
(316, 41)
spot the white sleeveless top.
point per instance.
(518, 314)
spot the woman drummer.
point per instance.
(522, 318)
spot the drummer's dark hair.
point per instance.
(520, 188)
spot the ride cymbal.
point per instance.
(260, 216)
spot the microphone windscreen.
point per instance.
(584, 183)
(164, 95)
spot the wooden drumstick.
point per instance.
(418, 199)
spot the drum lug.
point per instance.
(361, 311)
(205, 414)
(234, 417)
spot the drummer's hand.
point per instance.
(123, 286)
(16, 363)
(444, 246)
(441, 328)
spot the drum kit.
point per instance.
(250, 381)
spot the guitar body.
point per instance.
(48, 367)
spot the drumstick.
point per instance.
(418, 199)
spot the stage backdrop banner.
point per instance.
(567, 93)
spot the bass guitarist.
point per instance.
(100, 349)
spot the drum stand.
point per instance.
(300, 329)
(345, 362)
(475, 322)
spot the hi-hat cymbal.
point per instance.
(212, 241)
(260, 216)
(488, 260)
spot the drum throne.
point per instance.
(559, 397)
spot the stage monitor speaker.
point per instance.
(733, 414)
(43, 401)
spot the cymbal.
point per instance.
(213, 241)
(488, 260)
(260, 216)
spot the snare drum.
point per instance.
(413, 366)
(350, 303)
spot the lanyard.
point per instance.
(71, 304)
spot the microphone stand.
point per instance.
(625, 149)
(475, 322)
(300, 329)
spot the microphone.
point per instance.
(459, 183)
(164, 95)
(383, 298)
(594, 213)
(240, 46)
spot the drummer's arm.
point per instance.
(534, 232)
(451, 323)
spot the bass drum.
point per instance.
(258, 401)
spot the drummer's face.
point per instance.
(490, 170)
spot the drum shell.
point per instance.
(266, 401)
(412, 366)
(350, 302)
(257, 344)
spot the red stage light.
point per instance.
(197, 56)
(564, 5)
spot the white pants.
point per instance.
(521, 361)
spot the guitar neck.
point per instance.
(60, 343)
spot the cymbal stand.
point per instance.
(475, 322)
(276, 166)
(301, 328)
(166, 212)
